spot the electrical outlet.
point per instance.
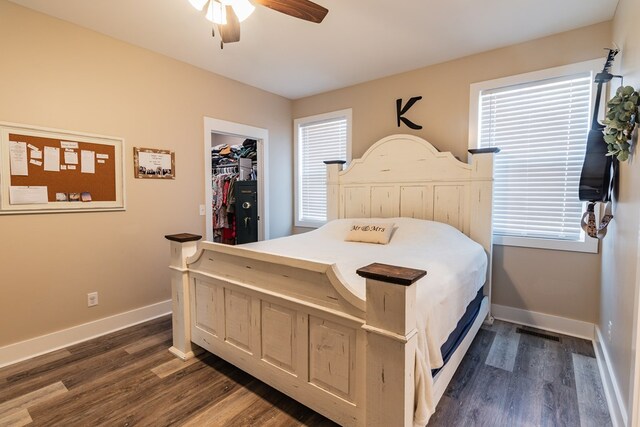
(92, 299)
(609, 329)
(203, 211)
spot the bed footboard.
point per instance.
(293, 324)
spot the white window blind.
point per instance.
(317, 141)
(541, 129)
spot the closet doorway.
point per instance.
(221, 133)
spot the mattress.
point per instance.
(456, 269)
(464, 325)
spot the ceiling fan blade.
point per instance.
(230, 32)
(302, 9)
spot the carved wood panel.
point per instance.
(416, 202)
(279, 336)
(384, 202)
(205, 307)
(332, 357)
(238, 319)
(449, 205)
(357, 202)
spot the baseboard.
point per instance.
(617, 409)
(33, 347)
(548, 322)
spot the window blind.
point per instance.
(541, 129)
(317, 142)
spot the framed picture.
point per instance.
(152, 163)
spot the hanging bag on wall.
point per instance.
(597, 177)
(588, 222)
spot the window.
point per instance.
(540, 123)
(318, 138)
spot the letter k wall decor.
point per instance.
(401, 111)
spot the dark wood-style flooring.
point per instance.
(128, 378)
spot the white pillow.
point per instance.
(370, 232)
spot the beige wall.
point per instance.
(219, 138)
(620, 249)
(58, 75)
(531, 279)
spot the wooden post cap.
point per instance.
(391, 273)
(335, 162)
(484, 150)
(183, 237)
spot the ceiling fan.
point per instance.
(227, 14)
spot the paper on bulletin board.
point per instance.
(21, 195)
(87, 161)
(52, 159)
(71, 157)
(18, 158)
(68, 144)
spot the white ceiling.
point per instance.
(358, 41)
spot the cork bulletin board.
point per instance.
(48, 170)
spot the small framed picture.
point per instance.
(152, 163)
(62, 197)
(74, 197)
(85, 196)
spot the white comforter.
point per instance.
(456, 269)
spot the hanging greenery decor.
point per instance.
(620, 120)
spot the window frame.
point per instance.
(297, 123)
(593, 66)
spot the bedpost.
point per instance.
(333, 188)
(391, 344)
(182, 246)
(481, 227)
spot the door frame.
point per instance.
(224, 127)
(634, 398)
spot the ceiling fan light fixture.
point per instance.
(226, 15)
(242, 8)
(198, 4)
(216, 13)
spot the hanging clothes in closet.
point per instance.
(223, 204)
(224, 163)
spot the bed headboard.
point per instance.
(404, 175)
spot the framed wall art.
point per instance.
(152, 163)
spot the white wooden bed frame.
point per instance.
(295, 325)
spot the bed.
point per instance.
(360, 344)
